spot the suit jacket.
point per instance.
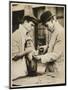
(56, 47)
(18, 68)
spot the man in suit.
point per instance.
(54, 58)
(19, 51)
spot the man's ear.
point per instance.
(55, 18)
(19, 25)
(25, 21)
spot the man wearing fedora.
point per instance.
(19, 50)
(54, 58)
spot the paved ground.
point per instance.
(44, 79)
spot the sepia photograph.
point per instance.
(37, 44)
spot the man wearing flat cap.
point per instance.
(19, 38)
(54, 58)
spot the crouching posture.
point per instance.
(54, 58)
(18, 63)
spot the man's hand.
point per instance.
(20, 55)
(17, 57)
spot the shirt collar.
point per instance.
(23, 27)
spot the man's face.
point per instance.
(30, 26)
(50, 25)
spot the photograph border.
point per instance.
(10, 87)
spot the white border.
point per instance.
(4, 43)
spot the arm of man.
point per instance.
(55, 55)
(20, 55)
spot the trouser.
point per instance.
(48, 67)
(51, 67)
(18, 69)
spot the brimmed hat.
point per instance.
(46, 16)
(31, 18)
(28, 14)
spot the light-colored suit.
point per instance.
(56, 48)
(18, 68)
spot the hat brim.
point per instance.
(34, 19)
(49, 18)
(45, 21)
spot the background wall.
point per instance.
(40, 35)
